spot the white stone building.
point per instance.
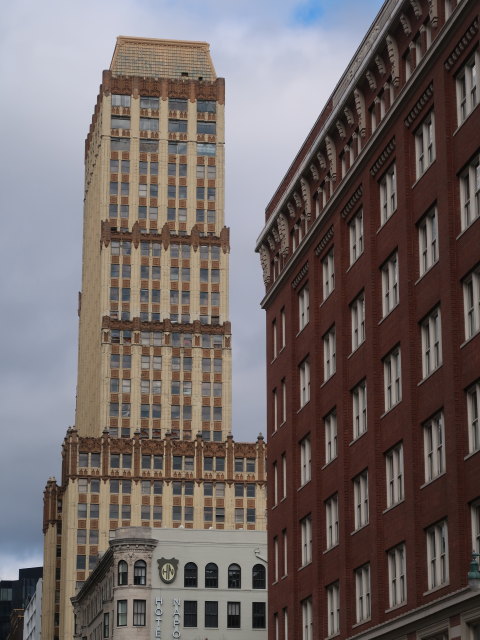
(33, 615)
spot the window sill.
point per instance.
(474, 335)
(387, 411)
(354, 262)
(304, 484)
(325, 299)
(303, 406)
(327, 464)
(472, 453)
(468, 227)
(388, 314)
(354, 351)
(424, 173)
(302, 329)
(396, 607)
(363, 526)
(435, 589)
(384, 222)
(429, 375)
(460, 125)
(325, 382)
(357, 438)
(304, 566)
(426, 272)
(425, 484)
(359, 624)
(393, 507)
(334, 546)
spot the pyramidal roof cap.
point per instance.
(152, 58)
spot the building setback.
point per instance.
(152, 443)
(371, 263)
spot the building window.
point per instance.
(475, 513)
(362, 593)
(390, 284)
(284, 401)
(330, 436)
(121, 613)
(234, 576)
(306, 531)
(211, 614)
(190, 575)
(303, 307)
(434, 447)
(307, 619)
(233, 615)
(140, 572)
(274, 340)
(356, 236)
(473, 405)
(357, 310)
(329, 354)
(284, 476)
(359, 409)
(331, 518)
(471, 300)
(431, 342)
(333, 609)
(304, 370)
(259, 579)
(275, 483)
(392, 378)
(285, 552)
(283, 328)
(122, 573)
(106, 625)
(305, 460)
(397, 589)
(275, 559)
(437, 554)
(211, 576)
(328, 269)
(360, 497)
(388, 194)
(189, 613)
(394, 475)
(428, 240)
(259, 618)
(470, 192)
(139, 612)
(467, 90)
(425, 144)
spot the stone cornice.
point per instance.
(462, 45)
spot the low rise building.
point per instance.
(164, 583)
(33, 615)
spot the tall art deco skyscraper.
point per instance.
(151, 444)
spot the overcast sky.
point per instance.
(281, 60)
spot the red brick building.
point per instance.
(371, 262)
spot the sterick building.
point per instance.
(371, 263)
(152, 443)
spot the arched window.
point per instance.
(190, 575)
(122, 573)
(234, 577)
(211, 576)
(140, 572)
(259, 577)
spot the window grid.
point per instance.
(333, 609)
(397, 590)
(362, 589)
(328, 268)
(305, 460)
(392, 373)
(390, 293)
(304, 383)
(388, 194)
(425, 144)
(359, 401)
(331, 518)
(330, 436)
(329, 354)
(307, 619)
(357, 309)
(431, 342)
(303, 307)
(467, 89)
(470, 193)
(306, 539)
(394, 475)
(434, 447)
(360, 492)
(437, 554)
(356, 236)
(428, 240)
(475, 515)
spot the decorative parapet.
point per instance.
(386, 153)
(421, 102)
(461, 45)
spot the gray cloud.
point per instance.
(51, 56)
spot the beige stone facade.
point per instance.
(152, 443)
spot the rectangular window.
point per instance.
(394, 475)
(392, 378)
(357, 310)
(431, 342)
(471, 303)
(284, 401)
(425, 144)
(360, 496)
(397, 588)
(434, 447)
(259, 618)
(467, 89)
(274, 339)
(330, 436)
(307, 619)
(121, 613)
(473, 406)
(189, 613)
(333, 609)
(356, 236)
(304, 371)
(331, 520)
(306, 534)
(470, 192)
(303, 308)
(428, 240)
(283, 328)
(437, 554)
(359, 409)
(139, 612)
(106, 625)
(388, 194)
(329, 354)
(362, 593)
(233, 615)
(475, 514)
(305, 460)
(328, 269)
(120, 100)
(211, 614)
(390, 295)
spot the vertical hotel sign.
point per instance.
(167, 570)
